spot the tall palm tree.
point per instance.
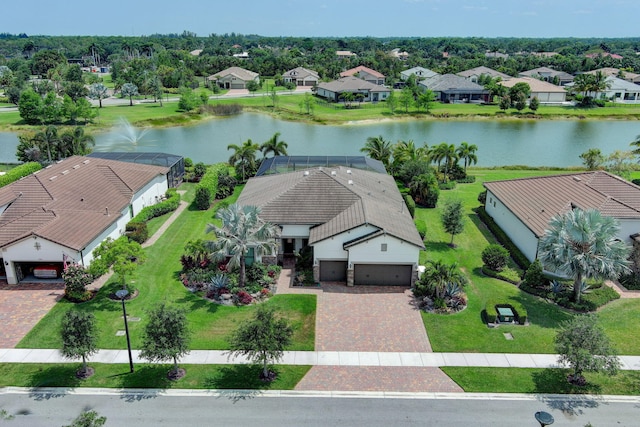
(377, 148)
(438, 275)
(636, 143)
(447, 153)
(98, 91)
(50, 139)
(243, 158)
(75, 142)
(242, 229)
(272, 145)
(582, 245)
(467, 153)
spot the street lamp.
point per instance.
(122, 294)
(544, 418)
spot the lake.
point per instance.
(500, 142)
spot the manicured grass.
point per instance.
(525, 380)
(465, 331)
(158, 280)
(149, 376)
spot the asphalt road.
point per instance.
(240, 409)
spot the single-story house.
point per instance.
(345, 54)
(234, 78)
(604, 55)
(301, 76)
(452, 88)
(547, 93)
(399, 54)
(499, 55)
(175, 163)
(473, 74)
(616, 72)
(421, 73)
(523, 207)
(333, 90)
(366, 74)
(620, 90)
(63, 212)
(355, 220)
(548, 75)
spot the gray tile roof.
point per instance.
(352, 84)
(301, 72)
(546, 71)
(332, 203)
(536, 200)
(450, 82)
(482, 70)
(73, 201)
(240, 73)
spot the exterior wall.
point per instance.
(398, 252)
(150, 194)
(114, 231)
(25, 251)
(295, 231)
(519, 234)
(549, 97)
(327, 94)
(331, 248)
(628, 227)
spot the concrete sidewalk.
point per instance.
(322, 358)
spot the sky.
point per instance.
(326, 18)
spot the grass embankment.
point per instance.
(149, 376)
(465, 331)
(157, 281)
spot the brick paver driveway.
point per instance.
(22, 306)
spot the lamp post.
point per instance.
(122, 294)
(544, 418)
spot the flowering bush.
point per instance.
(244, 298)
(76, 279)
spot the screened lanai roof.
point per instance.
(157, 159)
(283, 164)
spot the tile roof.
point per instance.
(419, 72)
(360, 68)
(301, 72)
(332, 203)
(451, 82)
(71, 202)
(240, 73)
(536, 200)
(352, 84)
(535, 84)
(546, 71)
(482, 70)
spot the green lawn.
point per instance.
(465, 331)
(554, 381)
(149, 376)
(157, 280)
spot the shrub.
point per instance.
(495, 257)
(534, 277)
(500, 235)
(76, 279)
(244, 298)
(226, 185)
(224, 109)
(411, 205)
(19, 172)
(202, 198)
(208, 186)
(482, 197)
(188, 163)
(137, 231)
(630, 281)
(421, 226)
(490, 313)
(450, 185)
(469, 179)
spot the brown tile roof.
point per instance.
(535, 84)
(360, 68)
(333, 203)
(73, 201)
(352, 84)
(536, 200)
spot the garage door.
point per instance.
(382, 274)
(333, 271)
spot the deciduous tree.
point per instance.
(79, 338)
(452, 219)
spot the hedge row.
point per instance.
(490, 314)
(208, 186)
(504, 240)
(18, 172)
(508, 274)
(589, 301)
(137, 228)
(411, 204)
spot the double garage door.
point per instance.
(367, 274)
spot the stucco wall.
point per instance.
(150, 194)
(331, 248)
(397, 252)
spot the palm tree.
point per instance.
(467, 153)
(272, 145)
(49, 138)
(438, 275)
(582, 245)
(76, 142)
(242, 229)
(98, 91)
(130, 90)
(447, 153)
(244, 157)
(636, 143)
(377, 148)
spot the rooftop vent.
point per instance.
(333, 173)
(350, 182)
(76, 166)
(53, 177)
(349, 171)
(86, 161)
(66, 171)
(305, 173)
(577, 178)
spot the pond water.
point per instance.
(500, 142)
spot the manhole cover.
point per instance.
(508, 335)
(133, 319)
(119, 333)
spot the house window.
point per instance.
(383, 247)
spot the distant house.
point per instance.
(548, 75)
(301, 76)
(453, 88)
(333, 90)
(399, 54)
(241, 55)
(63, 212)
(523, 207)
(496, 55)
(616, 72)
(545, 54)
(234, 78)
(195, 52)
(420, 73)
(474, 74)
(604, 55)
(345, 54)
(620, 90)
(547, 93)
(355, 220)
(366, 74)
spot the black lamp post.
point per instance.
(544, 418)
(122, 294)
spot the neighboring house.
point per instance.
(474, 74)
(63, 212)
(234, 78)
(544, 54)
(333, 90)
(547, 93)
(453, 88)
(175, 164)
(345, 54)
(421, 73)
(355, 220)
(619, 90)
(399, 54)
(241, 55)
(604, 55)
(523, 207)
(195, 52)
(301, 77)
(616, 72)
(366, 74)
(548, 75)
(496, 55)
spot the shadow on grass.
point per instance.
(54, 376)
(438, 247)
(554, 381)
(152, 377)
(239, 382)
